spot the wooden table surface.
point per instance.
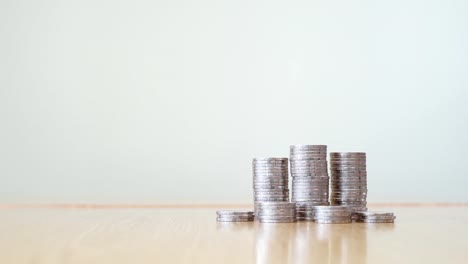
(191, 235)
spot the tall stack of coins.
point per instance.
(309, 173)
(270, 180)
(349, 180)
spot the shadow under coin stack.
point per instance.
(349, 180)
(270, 180)
(276, 212)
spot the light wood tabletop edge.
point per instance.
(186, 206)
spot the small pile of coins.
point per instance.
(374, 217)
(234, 216)
(332, 215)
(309, 171)
(305, 211)
(276, 212)
(270, 180)
(349, 180)
(310, 183)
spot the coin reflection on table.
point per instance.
(274, 242)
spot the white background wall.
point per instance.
(168, 100)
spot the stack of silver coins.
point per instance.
(305, 211)
(332, 215)
(349, 180)
(234, 216)
(309, 171)
(276, 212)
(270, 180)
(374, 217)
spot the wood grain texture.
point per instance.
(185, 235)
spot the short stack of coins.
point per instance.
(332, 215)
(234, 216)
(349, 180)
(374, 217)
(309, 171)
(305, 211)
(276, 212)
(270, 180)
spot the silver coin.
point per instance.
(268, 167)
(276, 205)
(271, 196)
(338, 186)
(332, 213)
(349, 158)
(313, 179)
(303, 146)
(335, 162)
(331, 208)
(347, 169)
(309, 175)
(333, 221)
(275, 212)
(270, 163)
(348, 174)
(348, 186)
(307, 158)
(310, 192)
(308, 170)
(265, 183)
(269, 171)
(348, 178)
(348, 197)
(270, 192)
(373, 213)
(375, 218)
(270, 159)
(278, 221)
(235, 220)
(308, 166)
(342, 195)
(307, 184)
(344, 173)
(343, 167)
(245, 216)
(271, 199)
(374, 221)
(349, 200)
(293, 156)
(308, 147)
(309, 162)
(270, 185)
(234, 212)
(344, 154)
(350, 189)
(277, 217)
(270, 182)
(282, 177)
